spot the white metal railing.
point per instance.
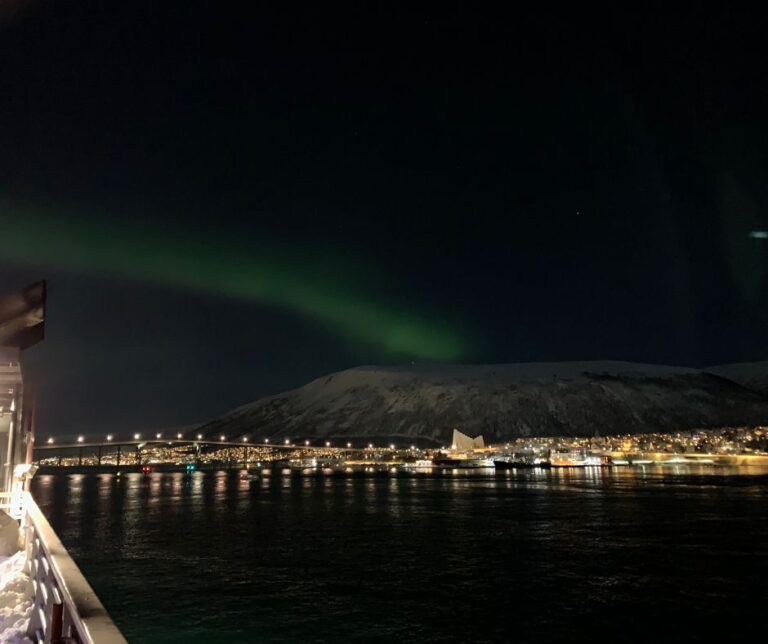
(13, 503)
(8, 504)
(65, 609)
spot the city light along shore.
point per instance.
(189, 451)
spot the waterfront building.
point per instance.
(461, 442)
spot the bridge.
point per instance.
(180, 449)
(53, 445)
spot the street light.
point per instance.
(287, 441)
(306, 442)
(136, 437)
(199, 437)
(245, 439)
(109, 437)
(370, 445)
(266, 440)
(178, 435)
(349, 445)
(50, 441)
(391, 446)
(327, 443)
(158, 435)
(79, 439)
(222, 437)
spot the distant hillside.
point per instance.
(753, 375)
(423, 403)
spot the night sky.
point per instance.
(229, 202)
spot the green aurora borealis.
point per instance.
(318, 285)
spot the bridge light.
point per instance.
(136, 437)
(178, 435)
(287, 441)
(413, 447)
(327, 443)
(109, 437)
(222, 438)
(158, 435)
(50, 441)
(245, 439)
(391, 446)
(266, 440)
(370, 445)
(306, 442)
(79, 439)
(199, 437)
(349, 445)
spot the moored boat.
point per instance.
(418, 465)
(462, 463)
(303, 463)
(514, 464)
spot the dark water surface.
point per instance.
(535, 556)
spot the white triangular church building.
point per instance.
(463, 442)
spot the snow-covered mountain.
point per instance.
(752, 375)
(423, 403)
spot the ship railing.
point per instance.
(8, 504)
(65, 609)
(12, 503)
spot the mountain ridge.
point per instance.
(422, 403)
(752, 375)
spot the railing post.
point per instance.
(57, 622)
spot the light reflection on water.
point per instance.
(440, 555)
